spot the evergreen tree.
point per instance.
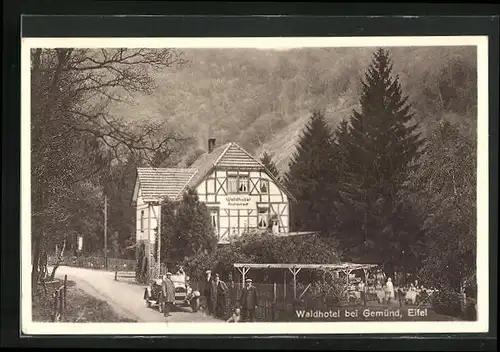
(309, 177)
(187, 227)
(381, 149)
(443, 192)
(270, 165)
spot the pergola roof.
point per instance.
(339, 266)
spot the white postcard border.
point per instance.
(279, 43)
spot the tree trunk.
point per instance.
(34, 264)
(60, 259)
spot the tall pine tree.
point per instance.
(309, 177)
(268, 162)
(381, 148)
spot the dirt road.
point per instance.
(125, 296)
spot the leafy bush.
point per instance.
(331, 291)
(197, 264)
(447, 302)
(257, 247)
(470, 311)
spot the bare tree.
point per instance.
(75, 137)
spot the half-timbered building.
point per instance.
(240, 193)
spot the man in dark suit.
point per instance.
(168, 294)
(207, 291)
(219, 297)
(248, 301)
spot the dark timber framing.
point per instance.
(231, 221)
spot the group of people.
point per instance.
(389, 293)
(217, 296)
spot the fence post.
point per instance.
(65, 290)
(61, 304)
(116, 272)
(275, 301)
(284, 289)
(54, 308)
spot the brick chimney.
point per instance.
(211, 145)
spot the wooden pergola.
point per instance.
(345, 268)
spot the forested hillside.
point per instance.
(262, 99)
(87, 141)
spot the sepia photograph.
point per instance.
(291, 185)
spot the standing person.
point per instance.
(389, 289)
(401, 296)
(168, 292)
(249, 299)
(362, 292)
(219, 296)
(233, 293)
(207, 291)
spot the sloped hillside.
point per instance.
(262, 98)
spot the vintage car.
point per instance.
(184, 295)
(153, 293)
(181, 288)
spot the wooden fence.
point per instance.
(275, 301)
(59, 301)
(96, 262)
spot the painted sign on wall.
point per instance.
(236, 202)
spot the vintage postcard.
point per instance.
(254, 185)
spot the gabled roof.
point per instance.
(171, 182)
(228, 155)
(158, 183)
(205, 163)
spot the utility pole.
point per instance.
(106, 232)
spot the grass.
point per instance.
(80, 307)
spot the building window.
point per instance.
(243, 184)
(263, 221)
(237, 184)
(275, 224)
(214, 217)
(232, 184)
(264, 186)
(142, 220)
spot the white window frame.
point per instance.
(277, 221)
(232, 184)
(238, 177)
(260, 216)
(264, 183)
(214, 218)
